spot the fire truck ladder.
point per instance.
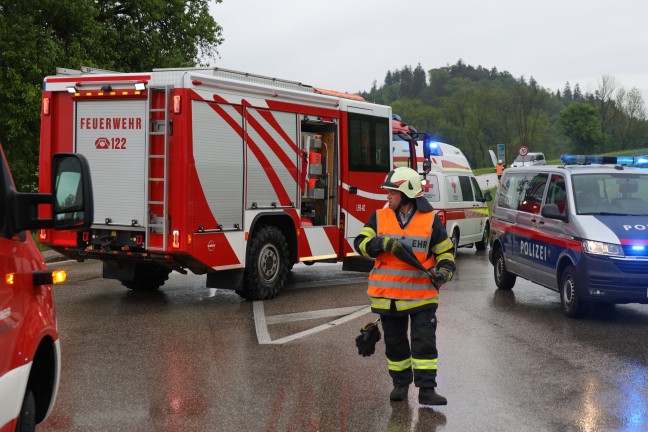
(157, 168)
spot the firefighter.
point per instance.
(499, 168)
(401, 294)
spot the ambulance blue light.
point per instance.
(435, 149)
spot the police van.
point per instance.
(580, 228)
(451, 187)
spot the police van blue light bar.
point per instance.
(604, 160)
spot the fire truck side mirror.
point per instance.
(71, 198)
(72, 201)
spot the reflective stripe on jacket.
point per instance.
(393, 279)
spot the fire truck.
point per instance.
(233, 175)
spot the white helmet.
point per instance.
(405, 180)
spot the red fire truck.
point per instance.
(228, 174)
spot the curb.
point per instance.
(51, 256)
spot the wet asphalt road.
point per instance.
(196, 359)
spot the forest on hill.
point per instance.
(475, 109)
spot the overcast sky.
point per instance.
(345, 45)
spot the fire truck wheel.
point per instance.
(483, 244)
(268, 265)
(148, 277)
(27, 416)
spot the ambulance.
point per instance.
(579, 228)
(30, 354)
(451, 187)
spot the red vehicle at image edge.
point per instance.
(228, 174)
(29, 342)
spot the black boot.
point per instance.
(399, 393)
(427, 396)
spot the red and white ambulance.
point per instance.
(228, 174)
(451, 187)
(29, 343)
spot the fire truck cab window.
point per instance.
(368, 143)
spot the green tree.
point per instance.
(132, 35)
(580, 123)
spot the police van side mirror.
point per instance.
(552, 211)
(71, 198)
(487, 196)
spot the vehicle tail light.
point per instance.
(176, 239)
(46, 106)
(442, 216)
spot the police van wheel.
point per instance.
(483, 244)
(148, 277)
(266, 265)
(570, 298)
(503, 278)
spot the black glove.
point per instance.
(441, 276)
(366, 341)
(391, 245)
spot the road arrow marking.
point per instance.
(261, 322)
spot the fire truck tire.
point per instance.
(27, 415)
(268, 265)
(503, 278)
(148, 277)
(483, 244)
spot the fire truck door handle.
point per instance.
(353, 190)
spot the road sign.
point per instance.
(523, 151)
(501, 152)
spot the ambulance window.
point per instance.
(466, 189)
(431, 189)
(478, 192)
(369, 140)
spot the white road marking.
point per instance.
(261, 321)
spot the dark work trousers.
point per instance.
(397, 345)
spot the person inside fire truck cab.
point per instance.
(402, 294)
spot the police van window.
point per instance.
(522, 192)
(368, 143)
(557, 193)
(622, 193)
(478, 192)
